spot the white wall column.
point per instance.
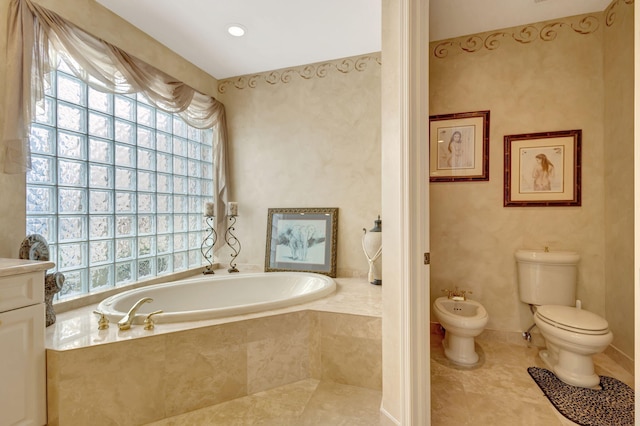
(405, 210)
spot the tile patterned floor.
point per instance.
(497, 392)
(304, 403)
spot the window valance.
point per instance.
(35, 32)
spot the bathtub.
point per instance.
(213, 296)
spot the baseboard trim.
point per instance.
(621, 358)
(386, 418)
(515, 337)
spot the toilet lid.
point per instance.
(573, 319)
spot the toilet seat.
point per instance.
(573, 319)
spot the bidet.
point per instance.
(462, 320)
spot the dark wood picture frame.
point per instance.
(459, 147)
(543, 169)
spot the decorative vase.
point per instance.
(35, 247)
(372, 247)
(52, 284)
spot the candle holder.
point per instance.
(207, 244)
(232, 242)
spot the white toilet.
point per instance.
(547, 280)
(463, 320)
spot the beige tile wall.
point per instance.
(147, 379)
(351, 349)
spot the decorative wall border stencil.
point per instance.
(582, 25)
(610, 11)
(527, 34)
(305, 72)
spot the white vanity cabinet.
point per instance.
(22, 352)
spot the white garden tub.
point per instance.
(216, 296)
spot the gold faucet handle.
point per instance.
(148, 322)
(103, 322)
(463, 294)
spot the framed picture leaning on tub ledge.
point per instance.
(302, 240)
(543, 169)
(459, 147)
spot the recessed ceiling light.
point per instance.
(236, 30)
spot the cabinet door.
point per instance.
(22, 367)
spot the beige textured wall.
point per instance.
(619, 175)
(529, 85)
(306, 137)
(100, 22)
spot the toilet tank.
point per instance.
(547, 277)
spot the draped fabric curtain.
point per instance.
(34, 32)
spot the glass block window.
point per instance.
(117, 187)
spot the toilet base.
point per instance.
(460, 349)
(573, 369)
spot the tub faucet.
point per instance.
(127, 320)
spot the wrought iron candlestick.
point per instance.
(232, 242)
(207, 244)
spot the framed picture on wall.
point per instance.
(459, 147)
(543, 169)
(302, 239)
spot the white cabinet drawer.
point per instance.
(21, 290)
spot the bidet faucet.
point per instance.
(127, 320)
(457, 294)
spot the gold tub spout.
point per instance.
(127, 320)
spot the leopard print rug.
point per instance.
(612, 405)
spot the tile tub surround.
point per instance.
(501, 392)
(307, 402)
(138, 376)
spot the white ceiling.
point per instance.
(287, 33)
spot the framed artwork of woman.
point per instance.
(459, 147)
(543, 169)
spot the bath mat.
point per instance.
(612, 405)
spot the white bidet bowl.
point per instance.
(462, 320)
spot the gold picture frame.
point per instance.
(302, 240)
(459, 147)
(543, 169)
